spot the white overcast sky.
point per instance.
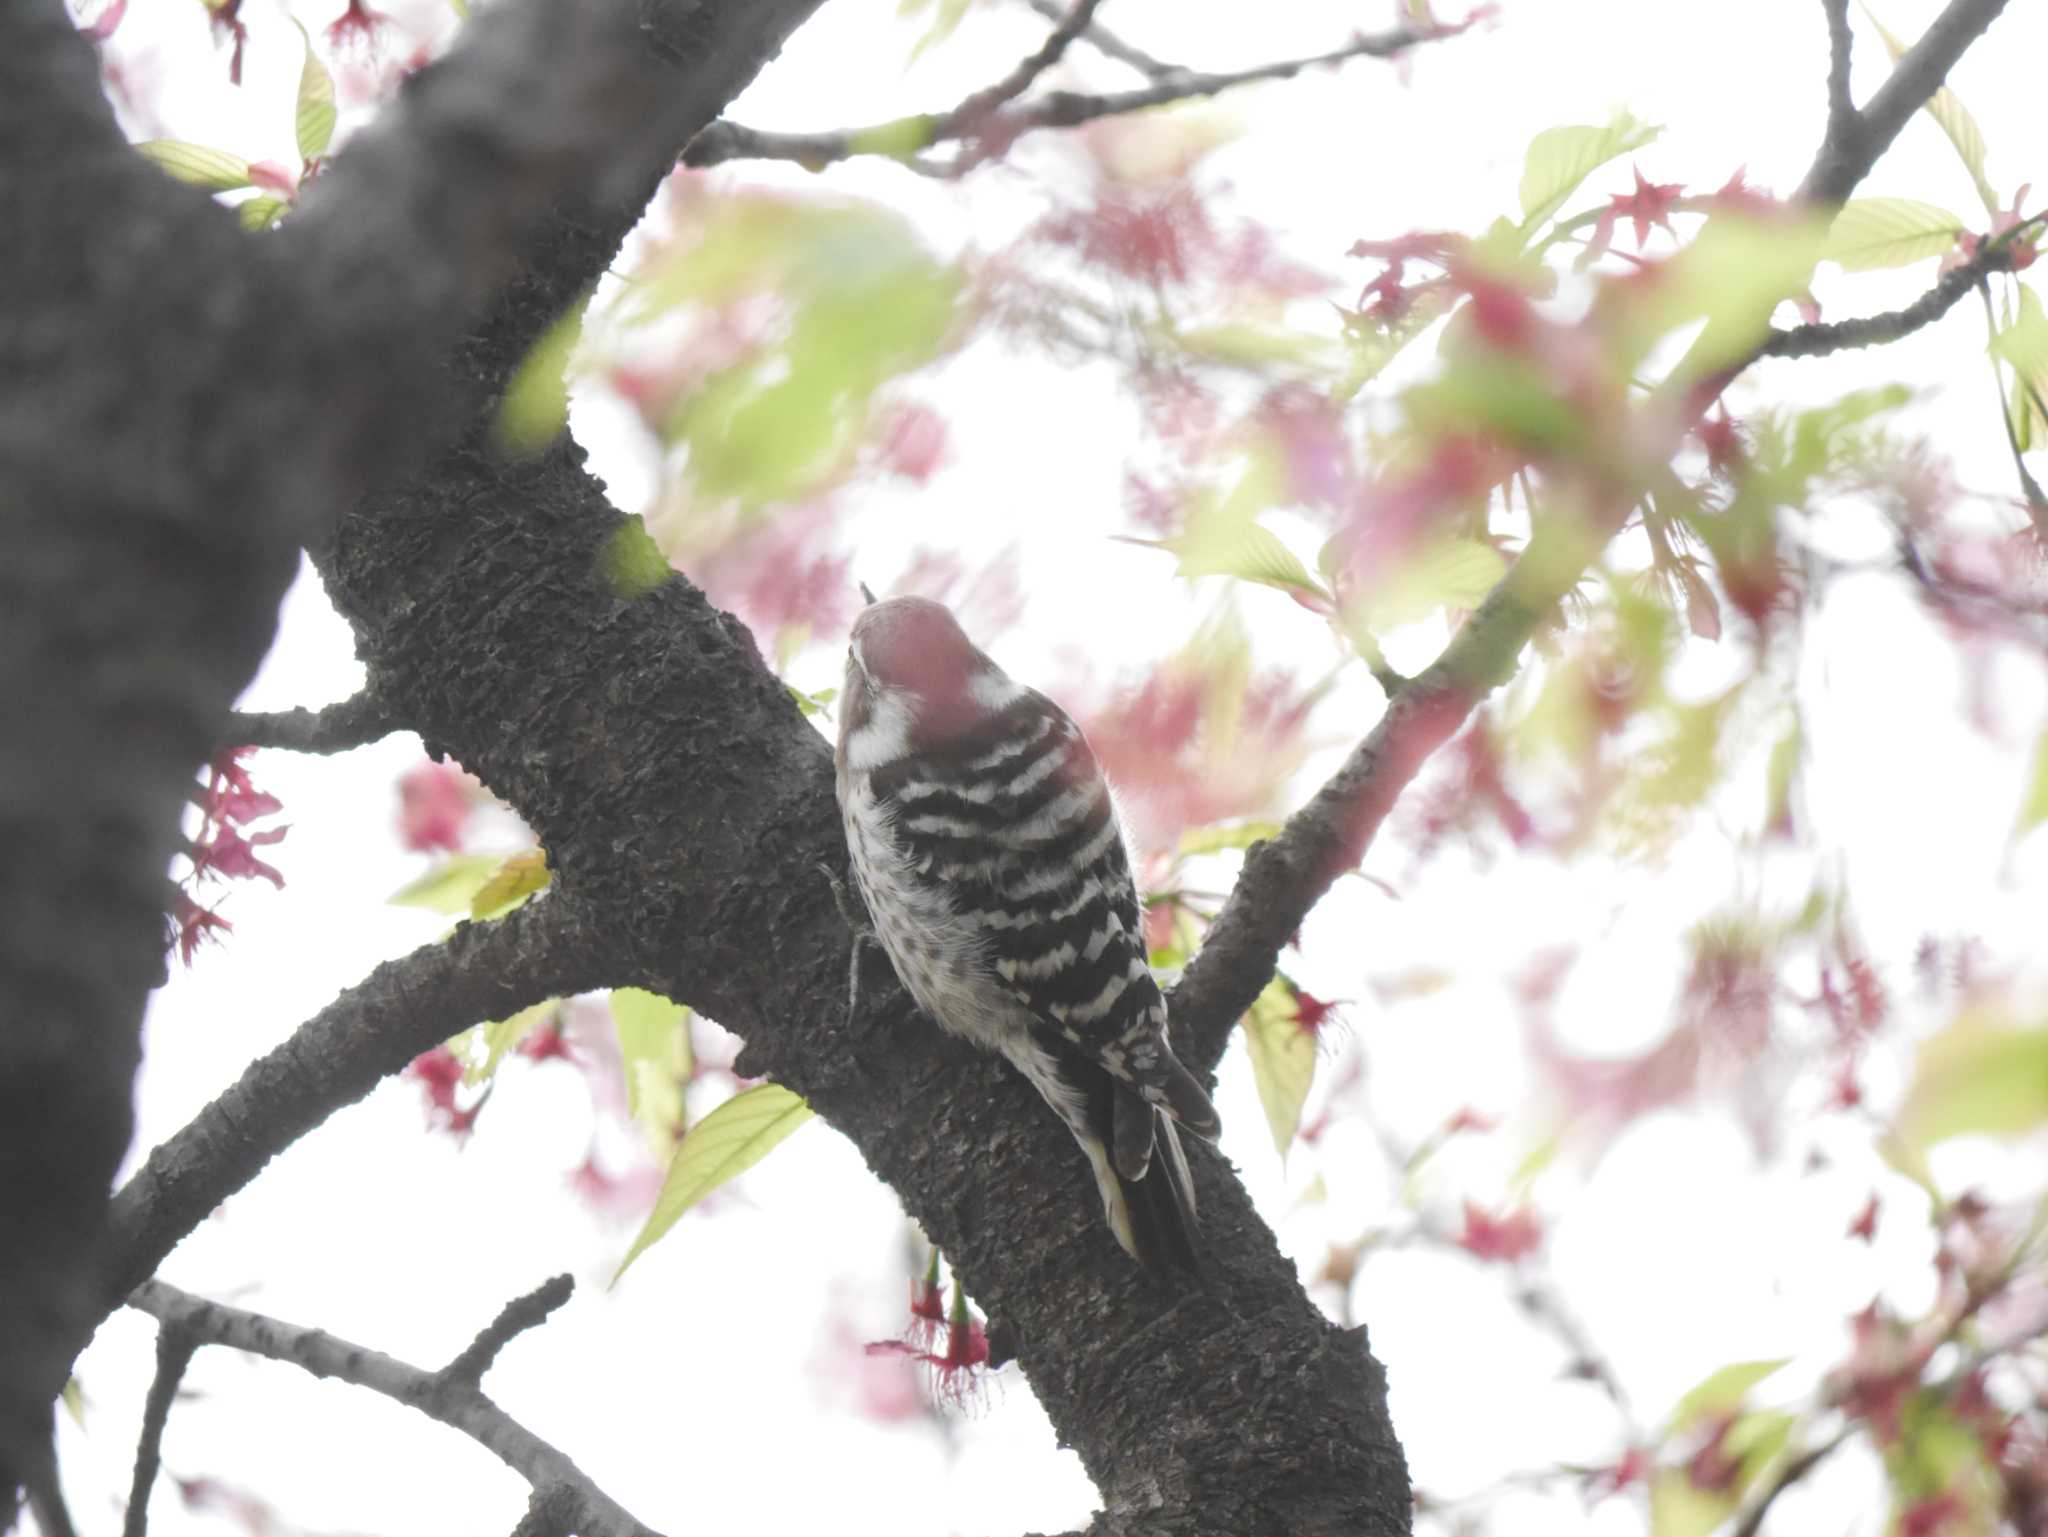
(698, 1392)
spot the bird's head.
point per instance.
(914, 678)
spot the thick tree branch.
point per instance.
(1218, 1413)
(354, 722)
(174, 1347)
(153, 499)
(550, 1513)
(454, 1401)
(426, 214)
(404, 1007)
(905, 138)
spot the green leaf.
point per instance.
(535, 408)
(1759, 1439)
(726, 1143)
(631, 562)
(946, 15)
(654, 1044)
(1937, 1452)
(1779, 773)
(259, 213)
(1452, 573)
(1983, 1075)
(449, 886)
(517, 877)
(499, 1036)
(859, 300)
(1721, 1392)
(315, 119)
(1218, 541)
(1509, 395)
(1542, 1153)
(1559, 159)
(812, 704)
(1680, 1508)
(196, 165)
(2034, 808)
(1947, 110)
(899, 140)
(2023, 345)
(1962, 130)
(1732, 275)
(1283, 1057)
(1238, 835)
(1873, 232)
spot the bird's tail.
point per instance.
(1161, 1203)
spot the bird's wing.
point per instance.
(1014, 821)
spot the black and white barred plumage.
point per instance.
(992, 861)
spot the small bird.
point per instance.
(991, 858)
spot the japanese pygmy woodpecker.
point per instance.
(993, 864)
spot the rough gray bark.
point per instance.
(181, 407)
(685, 805)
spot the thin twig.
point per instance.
(517, 1316)
(437, 1395)
(979, 106)
(1109, 44)
(1548, 1310)
(903, 139)
(1822, 337)
(354, 722)
(174, 1347)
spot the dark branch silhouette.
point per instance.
(447, 1396)
(1819, 338)
(983, 131)
(1109, 44)
(1856, 137)
(517, 1316)
(174, 1347)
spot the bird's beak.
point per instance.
(865, 595)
